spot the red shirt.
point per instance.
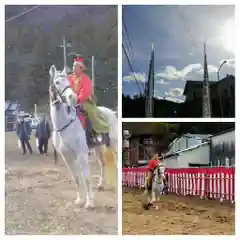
(152, 165)
(82, 87)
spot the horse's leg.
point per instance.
(99, 155)
(55, 139)
(159, 193)
(82, 159)
(55, 157)
(153, 195)
(74, 176)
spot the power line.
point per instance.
(127, 47)
(127, 39)
(21, 14)
(188, 29)
(130, 65)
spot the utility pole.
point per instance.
(126, 157)
(149, 91)
(65, 45)
(93, 73)
(206, 101)
(35, 111)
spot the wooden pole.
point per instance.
(93, 74)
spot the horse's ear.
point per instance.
(64, 71)
(52, 72)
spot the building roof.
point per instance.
(170, 154)
(229, 130)
(193, 85)
(11, 105)
(190, 135)
(199, 136)
(7, 103)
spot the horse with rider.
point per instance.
(71, 99)
(96, 126)
(156, 181)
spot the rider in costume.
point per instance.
(152, 165)
(82, 86)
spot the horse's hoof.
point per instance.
(145, 206)
(89, 205)
(100, 188)
(78, 201)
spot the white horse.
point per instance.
(71, 134)
(158, 183)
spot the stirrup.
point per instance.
(99, 137)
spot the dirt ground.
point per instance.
(40, 197)
(177, 215)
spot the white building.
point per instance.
(201, 150)
(223, 148)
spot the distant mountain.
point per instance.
(49, 14)
(31, 42)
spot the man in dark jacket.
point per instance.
(43, 134)
(23, 130)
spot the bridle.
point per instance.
(55, 101)
(62, 92)
(58, 93)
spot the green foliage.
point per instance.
(31, 48)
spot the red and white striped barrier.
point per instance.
(212, 183)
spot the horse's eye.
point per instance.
(57, 82)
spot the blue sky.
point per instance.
(178, 33)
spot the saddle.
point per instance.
(93, 138)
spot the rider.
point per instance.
(152, 165)
(82, 86)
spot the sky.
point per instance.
(178, 34)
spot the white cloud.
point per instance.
(192, 72)
(162, 81)
(171, 73)
(135, 76)
(211, 69)
(172, 99)
(174, 92)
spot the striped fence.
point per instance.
(211, 183)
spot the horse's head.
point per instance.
(160, 171)
(60, 86)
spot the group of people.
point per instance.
(43, 133)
